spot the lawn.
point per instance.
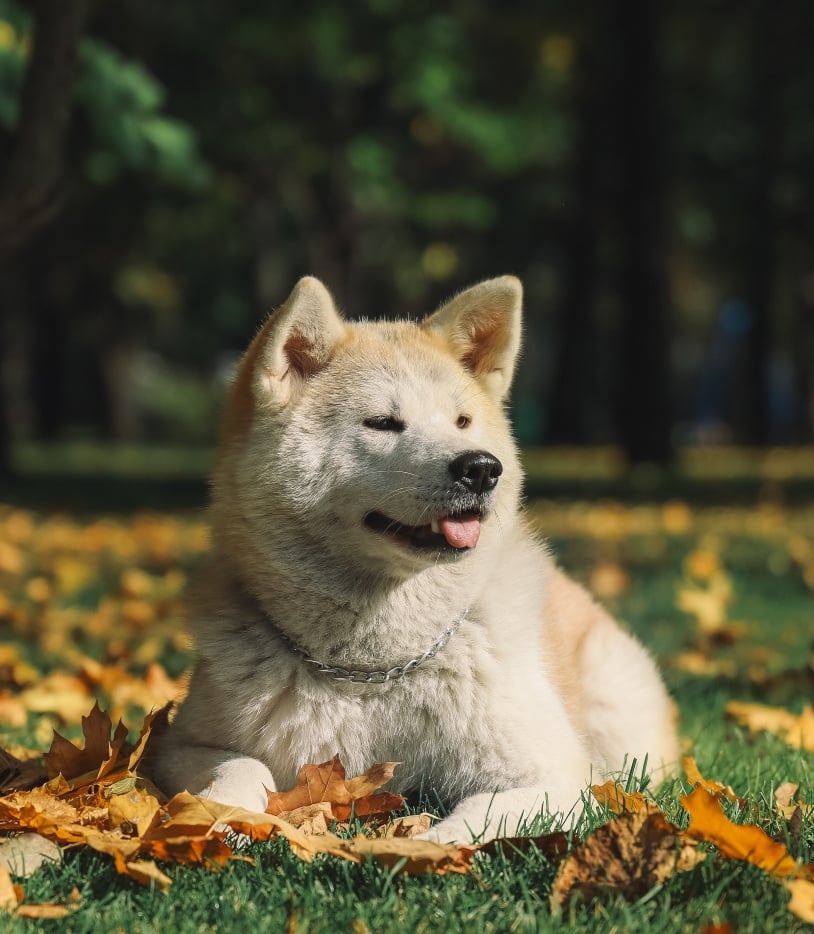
(91, 605)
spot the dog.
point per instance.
(374, 590)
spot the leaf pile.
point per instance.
(96, 795)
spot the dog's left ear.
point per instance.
(482, 328)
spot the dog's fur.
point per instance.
(329, 422)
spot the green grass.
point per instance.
(774, 612)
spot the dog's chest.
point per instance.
(451, 729)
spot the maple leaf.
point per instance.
(327, 782)
(99, 752)
(637, 850)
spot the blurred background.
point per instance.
(168, 170)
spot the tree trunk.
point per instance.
(643, 403)
(29, 187)
(760, 249)
(574, 376)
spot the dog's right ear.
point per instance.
(294, 344)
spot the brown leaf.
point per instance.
(20, 773)
(796, 729)
(97, 754)
(709, 824)
(634, 852)
(310, 818)
(315, 783)
(552, 845)
(615, 798)
(327, 783)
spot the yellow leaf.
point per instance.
(795, 729)
(802, 898)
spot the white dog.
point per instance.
(374, 590)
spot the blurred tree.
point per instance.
(30, 190)
(642, 396)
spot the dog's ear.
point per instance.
(482, 327)
(295, 343)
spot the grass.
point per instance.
(645, 546)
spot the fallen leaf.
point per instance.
(614, 797)
(146, 872)
(795, 729)
(327, 783)
(634, 852)
(64, 758)
(695, 777)
(709, 824)
(406, 825)
(802, 898)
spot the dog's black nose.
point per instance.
(478, 471)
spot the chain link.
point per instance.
(364, 676)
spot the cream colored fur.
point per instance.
(538, 692)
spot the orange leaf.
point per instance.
(709, 824)
(694, 775)
(615, 798)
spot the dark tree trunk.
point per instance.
(574, 377)
(642, 403)
(29, 186)
(760, 249)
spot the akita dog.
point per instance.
(374, 590)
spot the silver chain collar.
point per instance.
(365, 676)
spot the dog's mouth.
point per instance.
(459, 532)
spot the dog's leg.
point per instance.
(218, 774)
(627, 712)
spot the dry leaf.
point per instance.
(795, 729)
(634, 852)
(695, 777)
(64, 758)
(407, 825)
(327, 783)
(615, 798)
(802, 898)
(146, 872)
(709, 824)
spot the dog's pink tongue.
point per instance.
(460, 532)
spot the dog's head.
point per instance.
(375, 446)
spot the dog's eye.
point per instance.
(463, 421)
(384, 423)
